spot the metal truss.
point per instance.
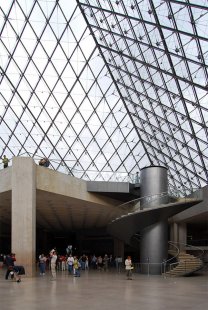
(156, 53)
(104, 88)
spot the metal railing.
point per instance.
(95, 175)
(168, 266)
(90, 174)
(134, 206)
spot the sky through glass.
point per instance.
(105, 88)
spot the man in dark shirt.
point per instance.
(10, 264)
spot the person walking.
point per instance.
(128, 267)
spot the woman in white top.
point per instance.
(53, 256)
(70, 263)
(128, 266)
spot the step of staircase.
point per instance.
(187, 264)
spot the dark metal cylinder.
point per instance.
(154, 186)
(154, 241)
(154, 247)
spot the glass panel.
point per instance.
(120, 88)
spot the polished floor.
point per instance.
(99, 290)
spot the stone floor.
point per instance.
(98, 290)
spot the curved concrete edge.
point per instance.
(126, 226)
(55, 182)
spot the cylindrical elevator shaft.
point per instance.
(154, 241)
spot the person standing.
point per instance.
(118, 262)
(63, 262)
(128, 267)
(5, 161)
(42, 264)
(70, 263)
(94, 262)
(99, 263)
(77, 266)
(111, 262)
(87, 263)
(53, 256)
(83, 261)
(105, 262)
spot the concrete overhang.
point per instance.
(197, 214)
(62, 202)
(123, 191)
(126, 226)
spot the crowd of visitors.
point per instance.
(72, 264)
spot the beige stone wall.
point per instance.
(62, 184)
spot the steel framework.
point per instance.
(104, 88)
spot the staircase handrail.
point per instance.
(149, 197)
(132, 203)
(190, 246)
(173, 243)
(177, 252)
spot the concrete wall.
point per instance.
(24, 213)
(62, 184)
(200, 208)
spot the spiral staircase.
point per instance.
(134, 218)
(182, 263)
(129, 227)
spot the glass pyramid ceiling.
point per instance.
(105, 88)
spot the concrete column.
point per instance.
(154, 186)
(182, 236)
(118, 248)
(154, 247)
(174, 232)
(154, 241)
(24, 212)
